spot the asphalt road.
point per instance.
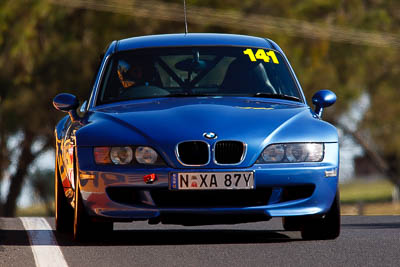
(364, 241)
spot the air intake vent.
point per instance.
(193, 153)
(229, 152)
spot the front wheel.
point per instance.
(84, 228)
(327, 227)
(81, 219)
(64, 213)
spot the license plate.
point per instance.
(211, 180)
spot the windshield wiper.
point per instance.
(278, 96)
(186, 95)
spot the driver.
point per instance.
(135, 74)
(130, 74)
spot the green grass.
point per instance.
(35, 210)
(367, 191)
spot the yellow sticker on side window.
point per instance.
(261, 54)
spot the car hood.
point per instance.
(163, 123)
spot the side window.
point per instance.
(110, 82)
(95, 73)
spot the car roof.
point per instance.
(191, 39)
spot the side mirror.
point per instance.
(323, 99)
(66, 103)
(83, 107)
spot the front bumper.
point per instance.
(280, 190)
(119, 193)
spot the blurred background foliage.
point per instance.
(48, 47)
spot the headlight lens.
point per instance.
(133, 155)
(294, 152)
(274, 153)
(121, 155)
(146, 155)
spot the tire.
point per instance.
(82, 224)
(64, 213)
(292, 223)
(325, 228)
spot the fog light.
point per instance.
(150, 178)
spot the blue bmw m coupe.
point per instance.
(196, 129)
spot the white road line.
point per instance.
(44, 245)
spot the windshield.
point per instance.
(197, 71)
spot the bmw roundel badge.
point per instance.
(210, 135)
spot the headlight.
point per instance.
(294, 152)
(274, 153)
(133, 155)
(121, 155)
(146, 155)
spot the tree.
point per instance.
(46, 49)
(43, 185)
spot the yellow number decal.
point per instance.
(249, 52)
(260, 54)
(273, 56)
